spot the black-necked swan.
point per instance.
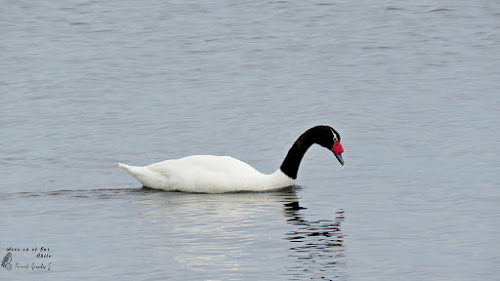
(218, 174)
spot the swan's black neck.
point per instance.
(290, 165)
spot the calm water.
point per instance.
(413, 88)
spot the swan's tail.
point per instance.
(126, 167)
(135, 171)
(145, 176)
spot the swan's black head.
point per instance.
(325, 136)
(329, 138)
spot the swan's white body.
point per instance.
(207, 174)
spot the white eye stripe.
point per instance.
(335, 137)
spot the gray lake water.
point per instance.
(413, 87)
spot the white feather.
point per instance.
(207, 174)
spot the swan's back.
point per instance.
(223, 165)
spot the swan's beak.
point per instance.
(339, 157)
(337, 149)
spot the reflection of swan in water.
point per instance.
(216, 236)
(225, 236)
(317, 246)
